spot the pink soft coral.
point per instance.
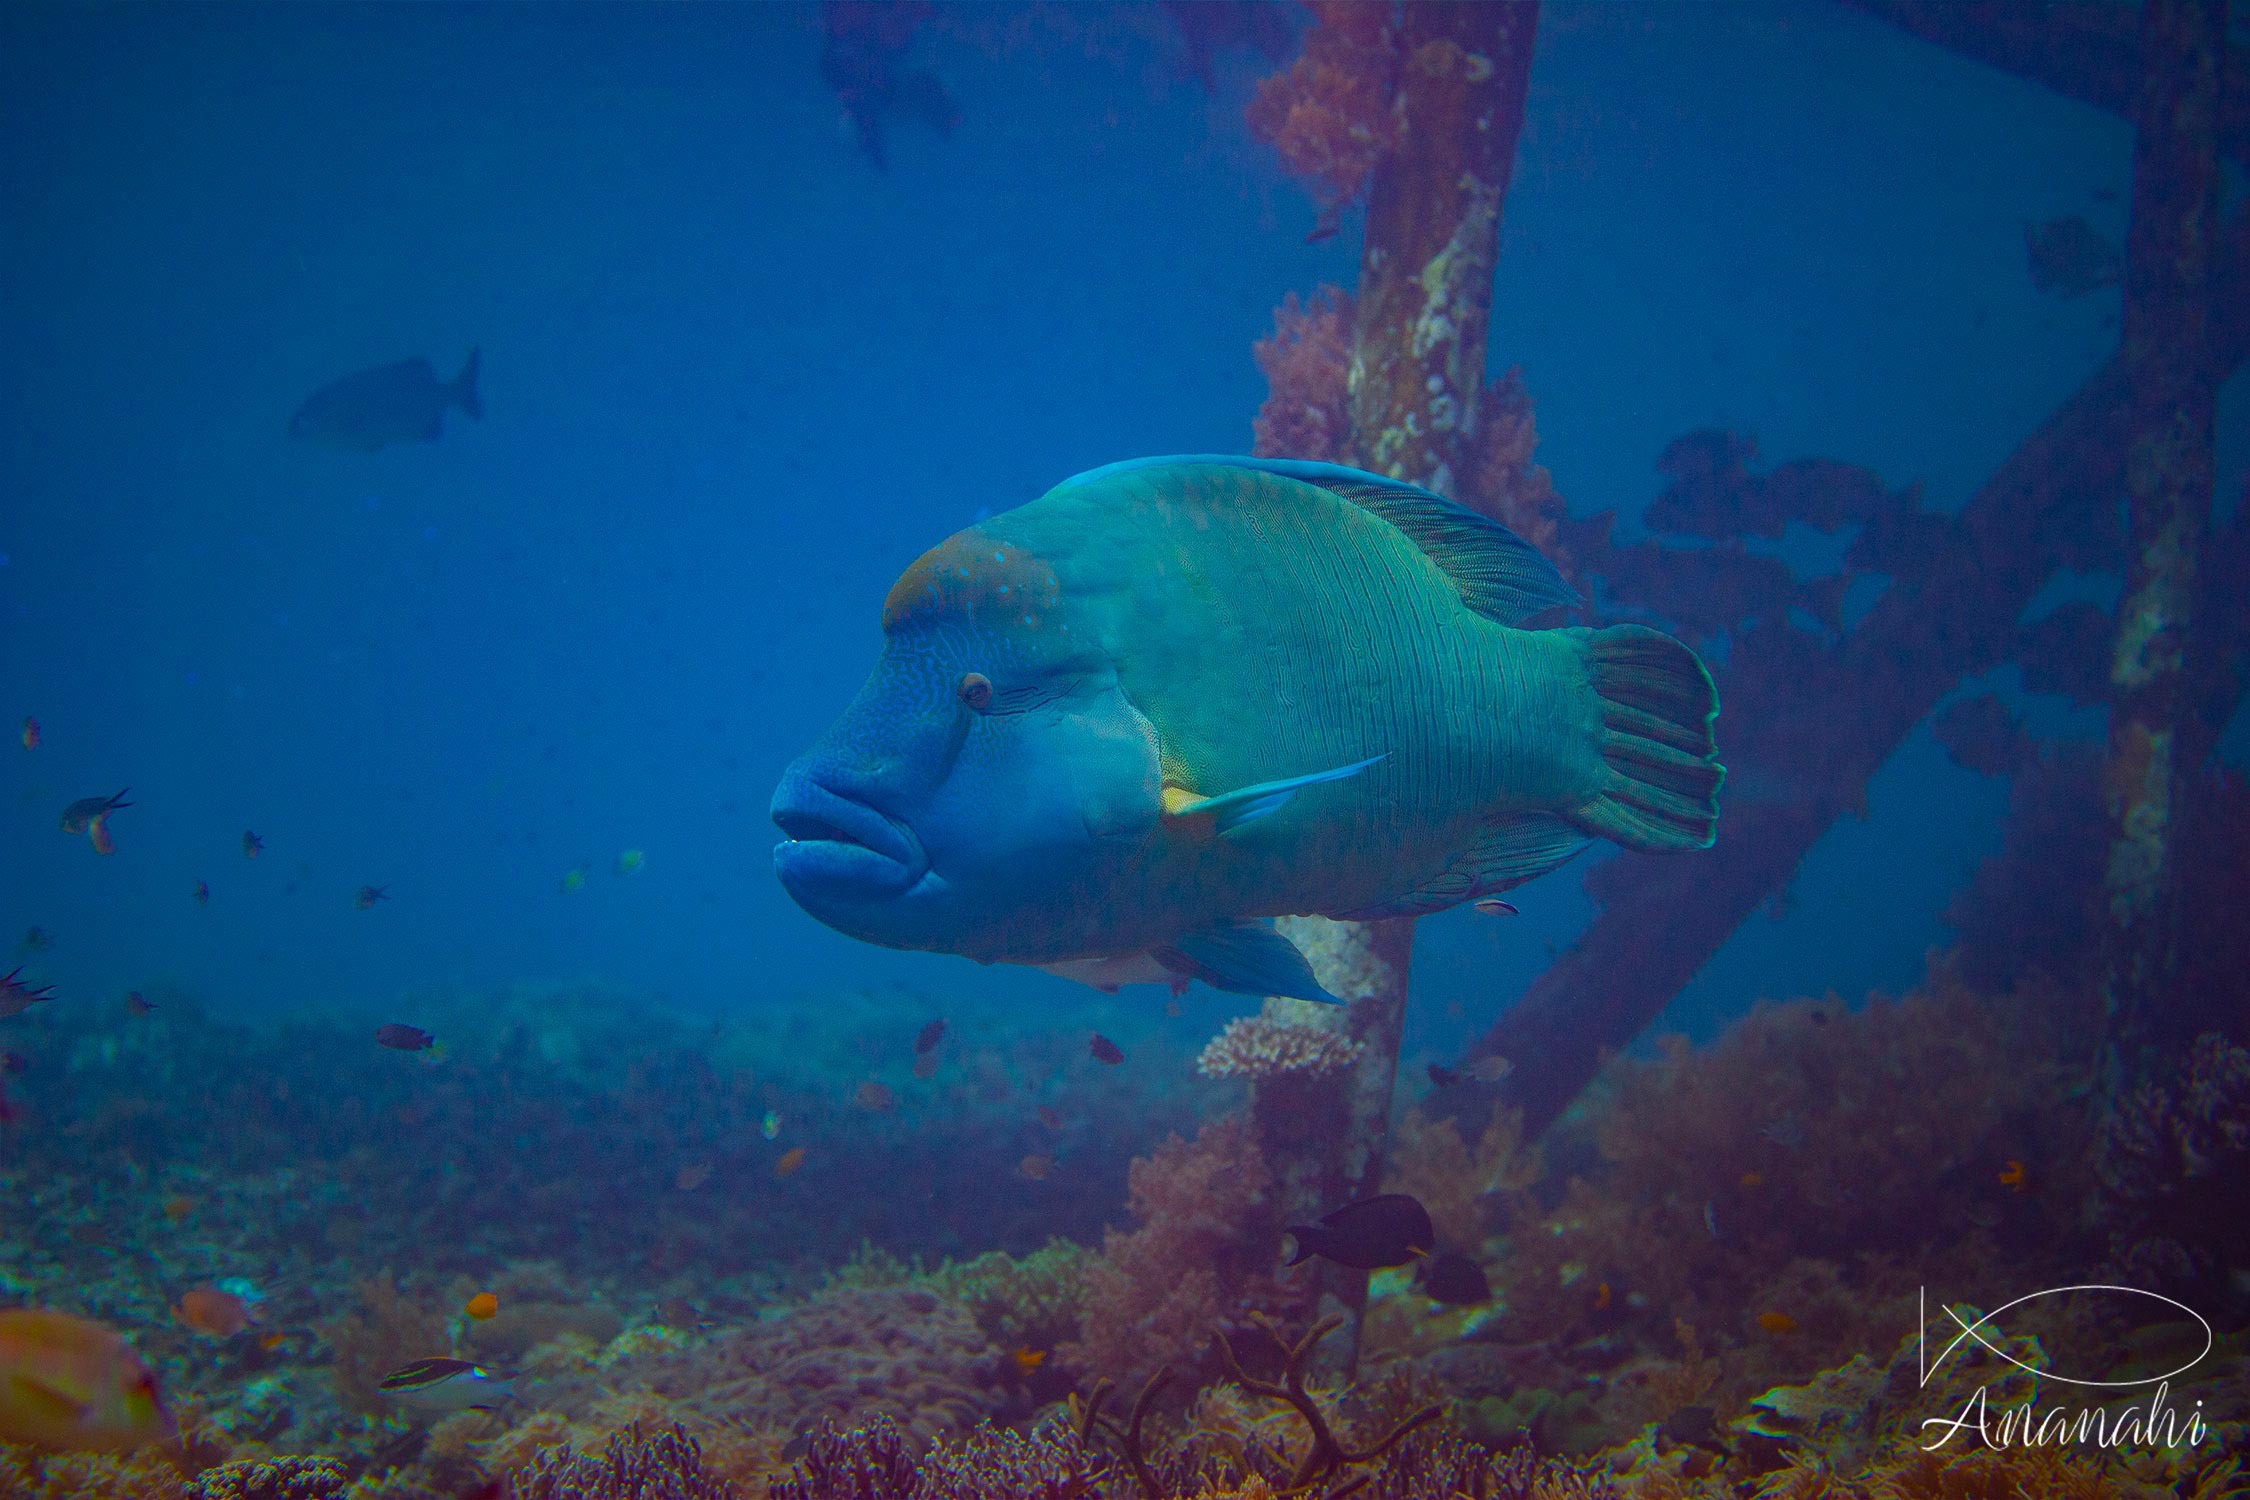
(1305, 361)
(1329, 112)
(1203, 1251)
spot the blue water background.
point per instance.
(736, 379)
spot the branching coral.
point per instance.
(1325, 1453)
(635, 1466)
(1255, 1047)
(1329, 113)
(875, 1461)
(1306, 361)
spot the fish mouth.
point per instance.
(838, 847)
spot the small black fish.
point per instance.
(1389, 1229)
(929, 1036)
(368, 895)
(80, 814)
(1443, 1078)
(37, 939)
(402, 1038)
(251, 844)
(1105, 1050)
(1455, 1280)
(397, 403)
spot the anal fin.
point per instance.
(1245, 958)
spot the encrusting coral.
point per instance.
(1255, 1047)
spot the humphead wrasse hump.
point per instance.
(1118, 730)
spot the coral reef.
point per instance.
(2175, 1160)
(1306, 361)
(1257, 1047)
(634, 1466)
(273, 1479)
(847, 1353)
(1501, 479)
(1456, 1184)
(1035, 1302)
(388, 1330)
(1201, 1254)
(875, 1461)
(1329, 113)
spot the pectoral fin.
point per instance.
(1245, 958)
(1245, 805)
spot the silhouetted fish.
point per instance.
(861, 58)
(400, 403)
(403, 1038)
(77, 817)
(1455, 1280)
(1389, 1229)
(2070, 257)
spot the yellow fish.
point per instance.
(69, 1383)
(1028, 1359)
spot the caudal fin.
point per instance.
(1660, 778)
(465, 386)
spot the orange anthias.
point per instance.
(482, 1306)
(68, 1383)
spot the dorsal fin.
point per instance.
(1499, 574)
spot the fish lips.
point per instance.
(840, 850)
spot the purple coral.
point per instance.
(1438, 1463)
(995, 1463)
(873, 1461)
(634, 1466)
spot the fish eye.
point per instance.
(975, 690)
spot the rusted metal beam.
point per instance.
(1952, 617)
(2090, 52)
(1423, 309)
(2169, 473)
